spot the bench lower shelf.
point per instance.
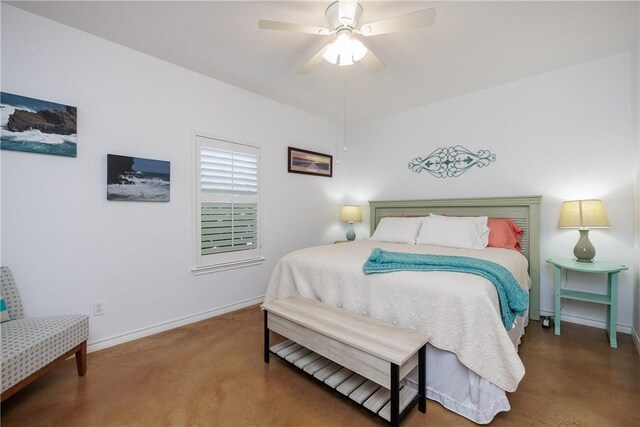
(367, 393)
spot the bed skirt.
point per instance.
(461, 390)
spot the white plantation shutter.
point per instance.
(228, 189)
(224, 172)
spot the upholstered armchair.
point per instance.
(30, 347)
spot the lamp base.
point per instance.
(351, 234)
(584, 250)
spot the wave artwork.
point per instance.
(137, 179)
(36, 126)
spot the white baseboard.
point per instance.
(625, 329)
(636, 339)
(170, 324)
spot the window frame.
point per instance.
(203, 264)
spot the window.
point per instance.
(228, 204)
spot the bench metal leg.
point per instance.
(395, 395)
(266, 336)
(422, 381)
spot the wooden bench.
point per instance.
(362, 358)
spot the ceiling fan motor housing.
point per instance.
(348, 9)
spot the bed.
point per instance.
(472, 359)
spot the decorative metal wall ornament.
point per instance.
(450, 162)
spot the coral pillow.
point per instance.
(504, 233)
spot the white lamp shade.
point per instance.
(331, 53)
(351, 213)
(583, 214)
(358, 50)
(343, 41)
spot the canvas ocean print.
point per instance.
(37, 126)
(137, 179)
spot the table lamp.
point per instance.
(350, 214)
(583, 215)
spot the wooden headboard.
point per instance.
(524, 211)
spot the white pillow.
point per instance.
(397, 230)
(482, 222)
(455, 232)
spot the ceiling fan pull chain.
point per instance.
(338, 144)
(337, 86)
(344, 107)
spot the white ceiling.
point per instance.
(473, 45)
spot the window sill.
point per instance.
(197, 271)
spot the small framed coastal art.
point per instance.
(310, 163)
(137, 179)
(37, 126)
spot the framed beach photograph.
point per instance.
(137, 179)
(37, 126)
(310, 162)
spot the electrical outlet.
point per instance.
(98, 308)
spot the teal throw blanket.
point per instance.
(513, 299)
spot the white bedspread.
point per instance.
(459, 311)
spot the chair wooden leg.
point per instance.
(81, 359)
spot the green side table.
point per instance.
(611, 269)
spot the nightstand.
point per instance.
(611, 269)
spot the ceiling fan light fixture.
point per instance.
(345, 50)
(346, 59)
(331, 53)
(358, 50)
(343, 41)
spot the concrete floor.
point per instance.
(211, 373)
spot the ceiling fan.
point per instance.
(346, 49)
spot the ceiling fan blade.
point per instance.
(419, 19)
(371, 62)
(266, 24)
(313, 62)
(347, 11)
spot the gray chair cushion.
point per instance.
(10, 294)
(30, 344)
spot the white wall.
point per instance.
(69, 247)
(566, 134)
